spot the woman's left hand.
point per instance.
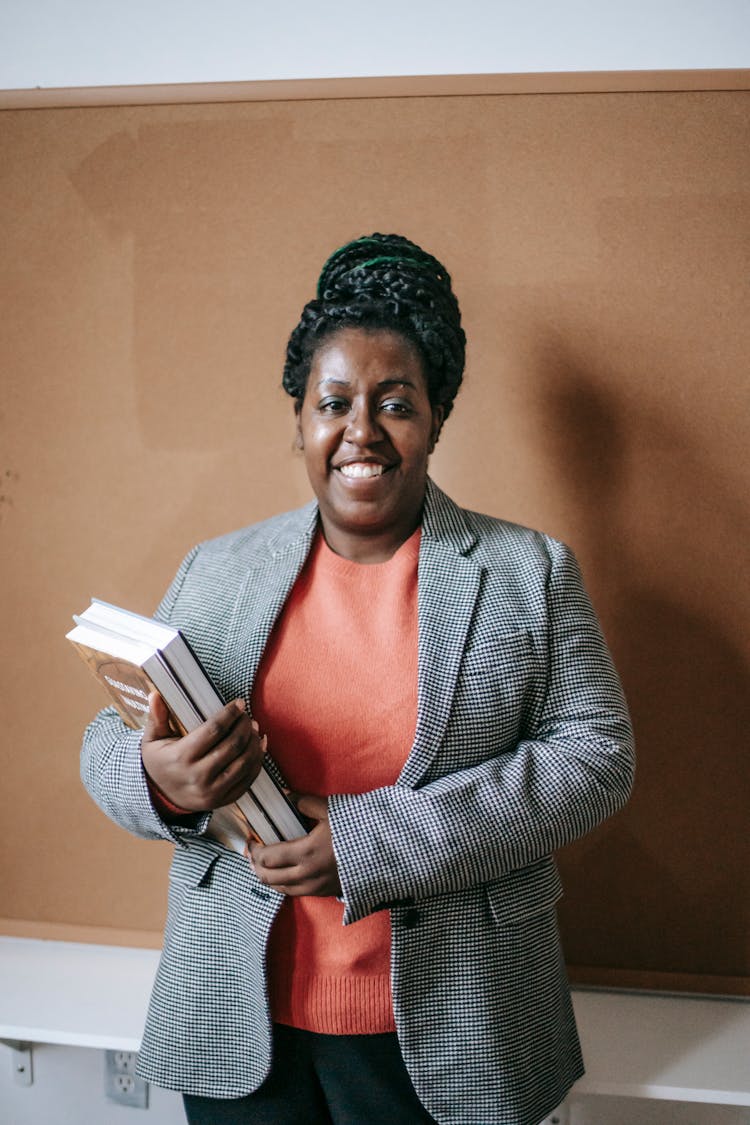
(301, 867)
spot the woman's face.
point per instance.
(367, 428)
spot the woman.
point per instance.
(435, 684)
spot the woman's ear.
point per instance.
(438, 415)
(299, 441)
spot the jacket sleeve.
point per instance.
(573, 768)
(111, 766)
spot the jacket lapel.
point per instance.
(266, 587)
(448, 586)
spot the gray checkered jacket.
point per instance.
(523, 743)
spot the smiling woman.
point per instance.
(374, 366)
(434, 686)
(367, 428)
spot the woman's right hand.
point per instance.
(211, 766)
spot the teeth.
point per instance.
(362, 469)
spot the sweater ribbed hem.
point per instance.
(350, 1005)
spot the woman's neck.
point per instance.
(364, 547)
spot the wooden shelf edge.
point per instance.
(396, 86)
(700, 984)
(88, 935)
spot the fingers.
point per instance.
(299, 867)
(316, 808)
(211, 766)
(278, 858)
(157, 724)
(225, 730)
(228, 767)
(228, 752)
(236, 778)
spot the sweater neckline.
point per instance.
(406, 555)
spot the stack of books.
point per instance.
(131, 656)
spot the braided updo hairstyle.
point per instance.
(384, 281)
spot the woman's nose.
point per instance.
(362, 426)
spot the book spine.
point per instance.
(257, 819)
(277, 806)
(176, 698)
(186, 667)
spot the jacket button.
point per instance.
(410, 918)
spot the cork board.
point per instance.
(154, 260)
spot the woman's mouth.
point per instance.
(361, 469)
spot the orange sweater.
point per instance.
(336, 694)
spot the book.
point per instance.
(131, 656)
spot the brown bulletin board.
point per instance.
(154, 259)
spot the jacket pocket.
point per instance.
(498, 654)
(525, 892)
(193, 866)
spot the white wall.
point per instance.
(52, 43)
(68, 1089)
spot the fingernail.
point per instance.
(255, 726)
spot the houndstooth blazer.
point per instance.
(523, 742)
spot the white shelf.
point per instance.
(79, 995)
(678, 1048)
(644, 1045)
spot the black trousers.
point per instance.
(322, 1080)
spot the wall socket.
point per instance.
(121, 1084)
(559, 1116)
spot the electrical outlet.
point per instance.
(124, 1061)
(559, 1116)
(120, 1082)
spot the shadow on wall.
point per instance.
(664, 886)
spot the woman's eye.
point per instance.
(332, 405)
(396, 406)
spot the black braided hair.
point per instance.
(384, 281)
